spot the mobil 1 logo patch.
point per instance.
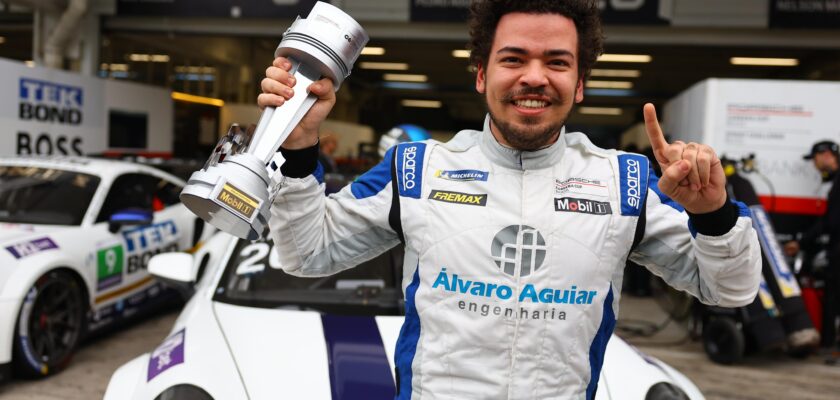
(583, 206)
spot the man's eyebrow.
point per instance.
(511, 49)
(558, 52)
(547, 53)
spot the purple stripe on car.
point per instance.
(169, 354)
(24, 249)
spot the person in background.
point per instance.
(516, 233)
(326, 154)
(401, 134)
(826, 158)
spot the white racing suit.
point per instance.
(513, 260)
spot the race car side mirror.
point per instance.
(129, 216)
(176, 269)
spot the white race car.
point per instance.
(75, 237)
(251, 331)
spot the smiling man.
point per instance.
(516, 235)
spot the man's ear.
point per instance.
(480, 79)
(579, 91)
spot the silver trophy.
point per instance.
(231, 192)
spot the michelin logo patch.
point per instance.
(633, 175)
(410, 168)
(459, 198)
(462, 175)
(584, 206)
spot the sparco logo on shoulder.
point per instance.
(408, 167)
(633, 193)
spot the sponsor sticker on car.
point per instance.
(169, 354)
(109, 267)
(28, 248)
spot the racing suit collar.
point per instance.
(518, 159)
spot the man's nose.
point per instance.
(534, 75)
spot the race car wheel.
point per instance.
(723, 341)
(49, 325)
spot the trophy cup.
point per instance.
(231, 191)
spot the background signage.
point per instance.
(615, 12)
(216, 8)
(51, 112)
(805, 14)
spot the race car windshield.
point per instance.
(253, 277)
(33, 195)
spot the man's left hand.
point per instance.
(691, 172)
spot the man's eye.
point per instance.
(510, 60)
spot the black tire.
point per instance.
(50, 325)
(723, 341)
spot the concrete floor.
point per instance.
(771, 376)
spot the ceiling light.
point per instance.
(184, 69)
(600, 110)
(422, 103)
(461, 53)
(609, 84)
(772, 62)
(384, 65)
(148, 57)
(405, 77)
(191, 98)
(616, 73)
(373, 51)
(119, 67)
(629, 58)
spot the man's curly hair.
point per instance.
(485, 16)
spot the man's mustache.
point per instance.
(539, 91)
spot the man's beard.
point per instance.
(531, 137)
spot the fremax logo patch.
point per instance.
(633, 170)
(459, 198)
(462, 175)
(410, 168)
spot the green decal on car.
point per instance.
(109, 267)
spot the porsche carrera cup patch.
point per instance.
(169, 354)
(25, 249)
(237, 201)
(585, 186)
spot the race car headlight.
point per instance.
(184, 392)
(665, 391)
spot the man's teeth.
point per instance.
(531, 103)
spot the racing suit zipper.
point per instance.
(518, 274)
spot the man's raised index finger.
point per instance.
(654, 132)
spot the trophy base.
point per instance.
(232, 196)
